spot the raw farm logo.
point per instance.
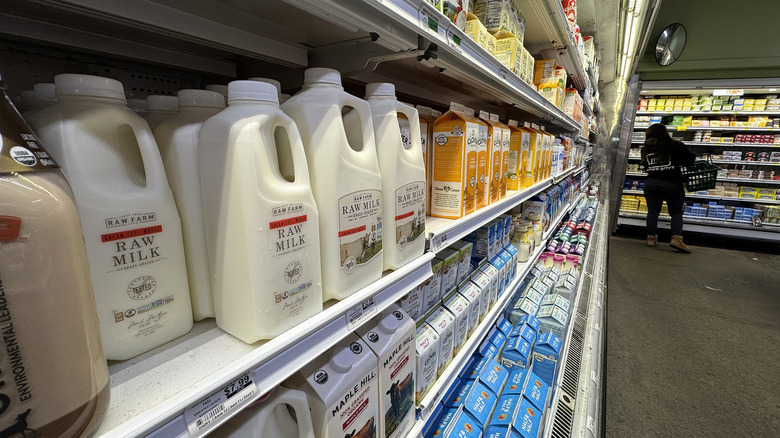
(131, 219)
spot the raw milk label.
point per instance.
(289, 243)
(354, 414)
(360, 228)
(409, 212)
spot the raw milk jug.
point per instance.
(160, 108)
(342, 390)
(177, 139)
(282, 413)
(391, 336)
(345, 180)
(55, 380)
(128, 215)
(403, 176)
(260, 217)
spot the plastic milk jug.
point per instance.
(345, 180)
(53, 367)
(128, 215)
(260, 218)
(391, 336)
(43, 96)
(160, 108)
(403, 176)
(177, 139)
(271, 416)
(342, 390)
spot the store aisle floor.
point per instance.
(693, 341)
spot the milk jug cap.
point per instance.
(137, 105)
(273, 82)
(252, 90)
(202, 98)
(389, 323)
(376, 89)
(157, 102)
(319, 75)
(221, 89)
(341, 360)
(69, 84)
(44, 92)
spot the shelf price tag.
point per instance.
(438, 242)
(429, 22)
(204, 416)
(454, 40)
(361, 313)
(682, 128)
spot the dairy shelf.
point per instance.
(722, 144)
(750, 180)
(434, 396)
(442, 232)
(153, 394)
(715, 198)
(636, 173)
(746, 163)
(713, 128)
(718, 227)
(708, 113)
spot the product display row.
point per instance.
(709, 103)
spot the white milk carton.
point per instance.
(345, 180)
(342, 391)
(177, 138)
(401, 162)
(474, 294)
(427, 365)
(459, 306)
(391, 336)
(412, 302)
(262, 225)
(128, 215)
(464, 258)
(449, 271)
(282, 413)
(444, 323)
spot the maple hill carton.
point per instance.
(455, 149)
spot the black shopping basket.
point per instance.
(701, 175)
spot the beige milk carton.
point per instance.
(391, 336)
(444, 323)
(428, 349)
(534, 152)
(458, 305)
(518, 157)
(342, 389)
(548, 142)
(427, 118)
(505, 143)
(455, 148)
(484, 142)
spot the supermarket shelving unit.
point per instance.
(158, 47)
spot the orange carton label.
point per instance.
(454, 169)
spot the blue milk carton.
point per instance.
(499, 264)
(506, 411)
(480, 403)
(464, 426)
(495, 337)
(498, 236)
(493, 376)
(511, 268)
(516, 382)
(517, 353)
(451, 392)
(504, 326)
(493, 431)
(545, 357)
(442, 422)
(474, 367)
(528, 420)
(536, 391)
(459, 396)
(530, 320)
(488, 350)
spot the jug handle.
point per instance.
(150, 155)
(300, 165)
(411, 114)
(300, 404)
(366, 123)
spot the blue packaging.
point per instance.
(507, 218)
(517, 353)
(495, 337)
(464, 426)
(506, 410)
(536, 391)
(498, 236)
(499, 264)
(524, 331)
(488, 350)
(497, 432)
(528, 420)
(474, 366)
(451, 392)
(515, 383)
(504, 326)
(459, 396)
(493, 376)
(545, 357)
(530, 320)
(441, 423)
(480, 403)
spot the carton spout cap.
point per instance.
(341, 360)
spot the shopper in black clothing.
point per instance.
(661, 158)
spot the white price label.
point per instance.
(203, 417)
(454, 40)
(361, 313)
(438, 242)
(429, 22)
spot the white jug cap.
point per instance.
(273, 82)
(252, 90)
(44, 92)
(203, 98)
(158, 102)
(380, 89)
(388, 324)
(137, 105)
(69, 84)
(341, 360)
(321, 75)
(221, 89)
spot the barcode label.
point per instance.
(360, 313)
(204, 419)
(438, 242)
(204, 416)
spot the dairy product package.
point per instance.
(536, 391)
(449, 271)
(493, 376)
(342, 390)
(428, 349)
(477, 308)
(435, 289)
(442, 321)
(412, 302)
(493, 275)
(503, 325)
(128, 214)
(553, 319)
(500, 265)
(528, 420)
(464, 258)
(460, 394)
(545, 357)
(464, 426)
(441, 423)
(459, 306)
(506, 410)
(391, 336)
(519, 144)
(517, 353)
(53, 370)
(484, 141)
(454, 175)
(474, 367)
(516, 382)
(160, 108)
(511, 268)
(506, 138)
(427, 118)
(345, 180)
(479, 403)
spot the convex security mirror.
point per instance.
(670, 44)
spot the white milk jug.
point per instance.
(177, 139)
(160, 108)
(271, 417)
(403, 176)
(261, 222)
(345, 180)
(128, 215)
(391, 336)
(342, 390)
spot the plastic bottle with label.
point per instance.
(44, 98)
(129, 218)
(271, 416)
(56, 380)
(345, 180)
(160, 108)
(177, 139)
(261, 222)
(391, 336)
(342, 389)
(403, 176)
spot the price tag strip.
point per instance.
(364, 311)
(203, 417)
(438, 242)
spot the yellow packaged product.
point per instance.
(543, 68)
(482, 193)
(534, 153)
(547, 145)
(507, 50)
(519, 145)
(477, 31)
(552, 91)
(505, 144)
